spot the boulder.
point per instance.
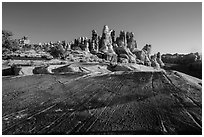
(41, 70)
(66, 68)
(7, 71)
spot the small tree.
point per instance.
(8, 42)
(57, 51)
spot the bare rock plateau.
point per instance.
(121, 102)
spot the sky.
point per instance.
(168, 27)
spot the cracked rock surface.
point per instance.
(111, 103)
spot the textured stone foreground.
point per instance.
(114, 103)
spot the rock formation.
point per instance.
(147, 49)
(121, 40)
(106, 48)
(123, 52)
(113, 36)
(106, 39)
(159, 60)
(86, 45)
(131, 42)
(121, 49)
(94, 44)
(94, 35)
(154, 62)
(143, 55)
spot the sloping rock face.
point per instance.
(98, 68)
(116, 103)
(83, 68)
(132, 67)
